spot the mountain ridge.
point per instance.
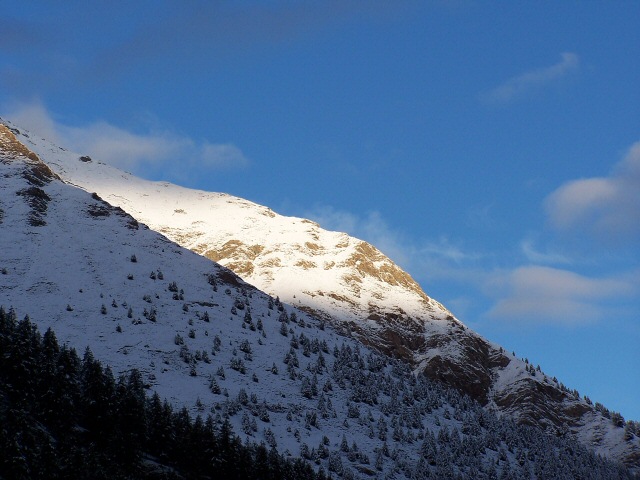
(476, 361)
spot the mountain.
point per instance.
(309, 375)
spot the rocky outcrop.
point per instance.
(541, 404)
(470, 369)
(37, 173)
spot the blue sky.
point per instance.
(491, 148)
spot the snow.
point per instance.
(62, 273)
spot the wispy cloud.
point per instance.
(222, 156)
(444, 249)
(435, 259)
(548, 295)
(242, 23)
(529, 81)
(371, 228)
(128, 150)
(227, 28)
(88, 46)
(533, 255)
(608, 207)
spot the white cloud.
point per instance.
(549, 295)
(121, 148)
(608, 207)
(162, 150)
(517, 86)
(34, 117)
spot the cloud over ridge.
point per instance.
(127, 150)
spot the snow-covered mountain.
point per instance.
(91, 271)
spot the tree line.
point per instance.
(62, 416)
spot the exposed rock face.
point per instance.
(352, 284)
(473, 369)
(38, 173)
(537, 404)
(11, 148)
(35, 172)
